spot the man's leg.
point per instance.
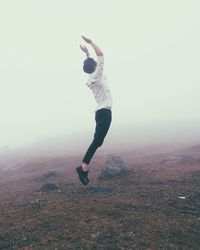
(103, 120)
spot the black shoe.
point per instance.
(83, 176)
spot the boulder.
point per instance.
(114, 166)
(177, 160)
(49, 187)
(47, 174)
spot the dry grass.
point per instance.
(141, 210)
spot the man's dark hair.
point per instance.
(89, 65)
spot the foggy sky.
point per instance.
(151, 51)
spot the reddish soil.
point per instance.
(154, 206)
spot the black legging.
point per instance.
(103, 118)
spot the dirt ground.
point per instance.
(154, 206)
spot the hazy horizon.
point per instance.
(152, 64)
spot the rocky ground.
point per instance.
(154, 205)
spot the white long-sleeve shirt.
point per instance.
(97, 83)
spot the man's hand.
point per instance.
(95, 47)
(87, 40)
(85, 50)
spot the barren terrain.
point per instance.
(156, 205)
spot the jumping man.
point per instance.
(103, 115)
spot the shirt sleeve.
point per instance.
(98, 73)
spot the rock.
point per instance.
(49, 187)
(47, 174)
(114, 166)
(177, 160)
(36, 204)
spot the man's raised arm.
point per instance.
(95, 47)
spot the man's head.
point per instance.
(89, 65)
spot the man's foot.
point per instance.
(83, 176)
